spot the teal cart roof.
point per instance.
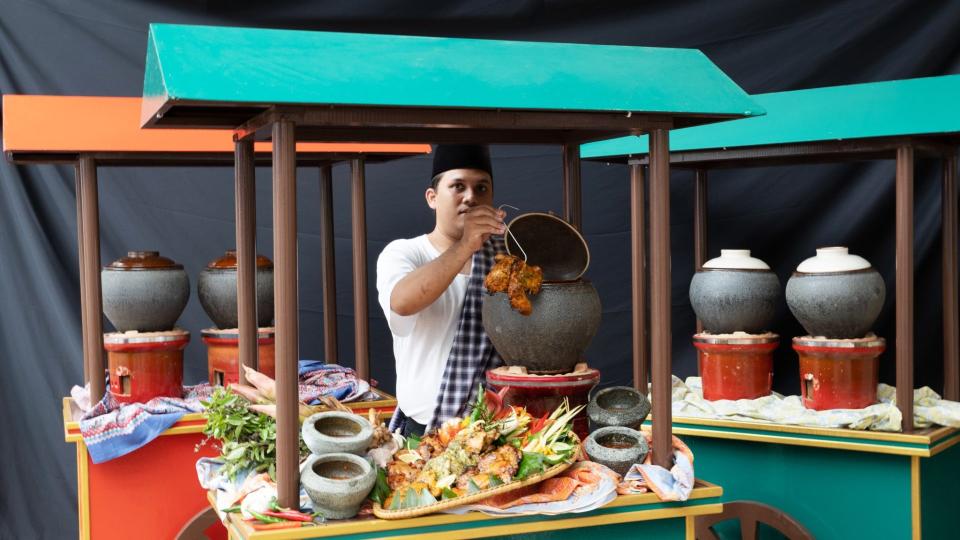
(216, 76)
(910, 107)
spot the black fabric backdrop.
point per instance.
(97, 47)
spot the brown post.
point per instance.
(660, 343)
(571, 185)
(638, 261)
(700, 225)
(328, 265)
(951, 326)
(361, 325)
(245, 211)
(82, 267)
(92, 308)
(285, 298)
(904, 285)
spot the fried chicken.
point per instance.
(400, 473)
(501, 463)
(516, 278)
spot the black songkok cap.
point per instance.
(461, 156)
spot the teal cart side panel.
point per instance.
(922, 106)
(248, 65)
(673, 528)
(940, 494)
(465, 527)
(833, 493)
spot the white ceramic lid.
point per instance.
(736, 259)
(833, 259)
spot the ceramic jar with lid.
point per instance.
(144, 292)
(566, 311)
(217, 288)
(836, 294)
(735, 292)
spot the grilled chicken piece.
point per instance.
(430, 446)
(516, 278)
(502, 463)
(400, 473)
(499, 276)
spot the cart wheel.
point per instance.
(203, 526)
(750, 513)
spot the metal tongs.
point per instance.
(511, 234)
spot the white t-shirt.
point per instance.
(422, 341)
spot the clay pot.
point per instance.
(839, 374)
(617, 406)
(217, 288)
(735, 292)
(144, 291)
(736, 366)
(338, 484)
(553, 338)
(143, 366)
(616, 447)
(337, 432)
(566, 311)
(835, 294)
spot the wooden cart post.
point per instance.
(328, 265)
(245, 215)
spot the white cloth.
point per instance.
(422, 341)
(928, 409)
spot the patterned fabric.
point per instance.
(112, 429)
(472, 353)
(318, 379)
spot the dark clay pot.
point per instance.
(617, 406)
(144, 291)
(727, 300)
(832, 297)
(553, 338)
(616, 447)
(217, 289)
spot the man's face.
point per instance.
(457, 191)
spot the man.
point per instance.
(429, 288)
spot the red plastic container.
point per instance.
(736, 367)
(223, 354)
(839, 374)
(145, 365)
(541, 394)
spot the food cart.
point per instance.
(837, 483)
(92, 132)
(286, 86)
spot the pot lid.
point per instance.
(229, 261)
(550, 243)
(736, 259)
(144, 260)
(833, 259)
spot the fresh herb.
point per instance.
(381, 489)
(448, 493)
(248, 440)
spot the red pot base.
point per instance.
(541, 394)
(838, 374)
(146, 365)
(736, 367)
(223, 354)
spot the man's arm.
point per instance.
(421, 287)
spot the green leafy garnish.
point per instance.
(248, 440)
(531, 464)
(412, 442)
(381, 490)
(447, 493)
